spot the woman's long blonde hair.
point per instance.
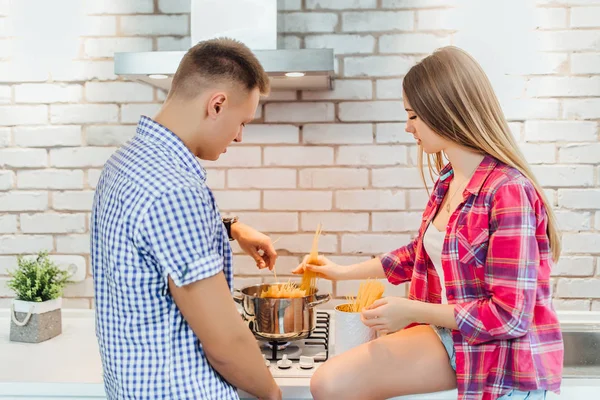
(451, 93)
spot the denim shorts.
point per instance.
(446, 338)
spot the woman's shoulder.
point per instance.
(505, 178)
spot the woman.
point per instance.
(479, 307)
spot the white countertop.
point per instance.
(68, 366)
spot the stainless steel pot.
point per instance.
(275, 319)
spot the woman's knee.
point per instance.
(324, 385)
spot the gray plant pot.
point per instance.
(35, 322)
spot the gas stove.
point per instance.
(300, 358)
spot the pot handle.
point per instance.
(238, 296)
(321, 298)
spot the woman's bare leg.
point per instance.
(410, 361)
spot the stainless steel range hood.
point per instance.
(254, 22)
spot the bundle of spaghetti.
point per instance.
(283, 290)
(368, 292)
(309, 278)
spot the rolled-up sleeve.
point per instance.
(178, 232)
(510, 270)
(398, 264)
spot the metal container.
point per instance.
(278, 319)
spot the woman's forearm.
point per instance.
(368, 269)
(434, 314)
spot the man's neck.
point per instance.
(174, 118)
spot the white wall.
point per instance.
(338, 157)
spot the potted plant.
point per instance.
(36, 311)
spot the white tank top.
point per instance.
(433, 241)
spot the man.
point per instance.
(166, 322)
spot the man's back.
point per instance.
(154, 218)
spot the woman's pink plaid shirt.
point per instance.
(497, 262)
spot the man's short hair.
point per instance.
(220, 60)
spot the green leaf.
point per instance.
(37, 279)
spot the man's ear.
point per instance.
(216, 104)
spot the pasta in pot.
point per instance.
(308, 285)
(283, 290)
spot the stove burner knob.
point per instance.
(307, 362)
(267, 362)
(284, 363)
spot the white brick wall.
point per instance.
(271, 178)
(7, 180)
(376, 66)
(336, 221)
(50, 179)
(581, 243)
(47, 93)
(339, 5)
(52, 223)
(80, 157)
(73, 244)
(130, 113)
(83, 113)
(106, 47)
(343, 44)
(339, 157)
(47, 136)
(337, 133)
(574, 266)
(23, 115)
(373, 243)
(581, 108)
(584, 63)
(154, 25)
(388, 89)
(79, 71)
(377, 21)
(298, 156)
(236, 200)
(174, 6)
(574, 220)
(371, 155)
(325, 178)
(24, 244)
(111, 92)
(560, 131)
(348, 89)
(309, 22)
(370, 200)
(412, 43)
(23, 158)
(585, 17)
(271, 134)
(564, 87)
(8, 224)
(297, 200)
(370, 111)
(564, 176)
(395, 221)
(299, 112)
(551, 18)
(23, 201)
(73, 200)
(120, 7)
(108, 135)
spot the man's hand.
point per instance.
(255, 244)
